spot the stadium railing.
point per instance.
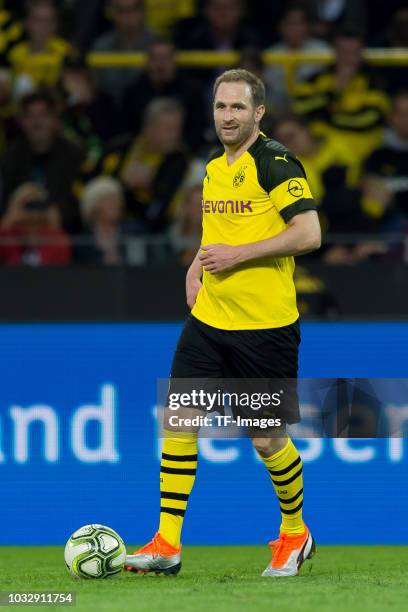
(396, 57)
(145, 249)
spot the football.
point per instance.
(95, 551)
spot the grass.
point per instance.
(339, 578)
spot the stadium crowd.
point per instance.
(94, 160)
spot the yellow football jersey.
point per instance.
(250, 200)
(44, 68)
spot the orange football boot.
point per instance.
(289, 553)
(156, 556)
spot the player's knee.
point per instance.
(268, 446)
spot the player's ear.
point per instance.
(259, 113)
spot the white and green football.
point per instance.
(95, 551)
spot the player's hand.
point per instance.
(219, 257)
(193, 286)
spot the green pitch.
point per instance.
(339, 578)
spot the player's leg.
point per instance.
(178, 468)
(196, 357)
(273, 354)
(284, 465)
(295, 542)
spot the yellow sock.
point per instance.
(285, 471)
(177, 474)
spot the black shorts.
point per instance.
(206, 352)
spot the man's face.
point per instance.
(349, 53)
(399, 116)
(235, 117)
(294, 28)
(224, 15)
(161, 63)
(39, 124)
(128, 15)
(165, 132)
(41, 23)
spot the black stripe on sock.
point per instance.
(281, 483)
(169, 495)
(284, 511)
(181, 471)
(179, 457)
(175, 511)
(285, 470)
(291, 499)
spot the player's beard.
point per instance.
(237, 136)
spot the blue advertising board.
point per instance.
(79, 444)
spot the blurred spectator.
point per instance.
(327, 162)
(264, 15)
(386, 170)
(152, 166)
(222, 29)
(162, 16)
(294, 36)
(348, 99)
(42, 45)
(44, 157)
(89, 117)
(129, 34)
(89, 22)
(333, 176)
(11, 29)
(29, 231)
(327, 15)
(396, 35)
(186, 231)
(162, 79)
(102, 208)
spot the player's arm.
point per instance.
(193, 280)
(301, 236)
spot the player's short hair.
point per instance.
(239, 74)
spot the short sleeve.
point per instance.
(288, 188)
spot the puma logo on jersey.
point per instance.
(283, 158)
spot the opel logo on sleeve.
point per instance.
(295, 188)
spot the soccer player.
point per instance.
(258, 213)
